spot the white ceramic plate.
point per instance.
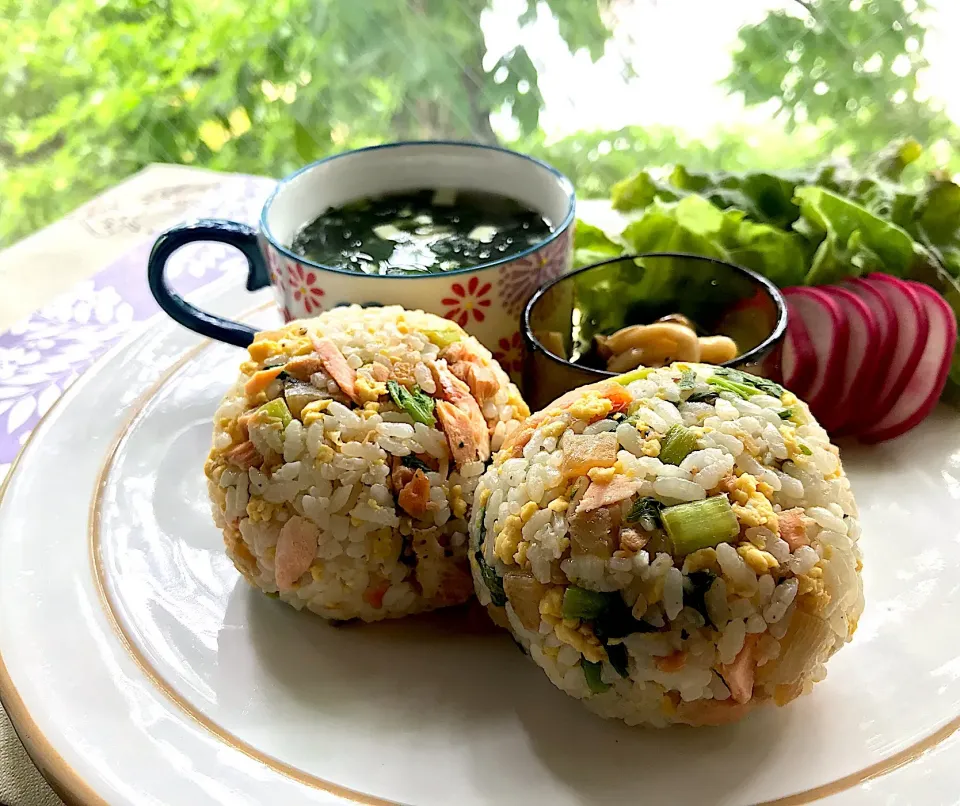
(140, 668)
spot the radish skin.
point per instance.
(860, 382)
(829, 332)
(889, 332)
(914, 325)
(925, 384)
(798, 362)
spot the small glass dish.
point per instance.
(561, 319)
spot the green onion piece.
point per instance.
(677, 444)
(645, 508)
(702, 397)
(634, 375)
(583, 604)
(442, 338)
(805, 450)
(490, 577)
(276, 409)
(688, 379)
(417, 403)
(591, 671)
(700, 524)
(739, 389)
(272, 594)
(746, 379)
(617, 655)
(786, 414)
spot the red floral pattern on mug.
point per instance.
(510, 353)
(519, 279)
(303, 284)
(466, 302)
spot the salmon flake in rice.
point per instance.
(690, 582)
(341, 481)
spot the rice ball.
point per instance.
(345, 458)
(677, 546)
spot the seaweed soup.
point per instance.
(424, 231)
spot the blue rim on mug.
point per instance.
(245, 238)
(552, 236)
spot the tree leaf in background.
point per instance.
(581, 25)
(519, 88)
(304, 142)
(891, 162)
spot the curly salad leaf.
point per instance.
(811, 228)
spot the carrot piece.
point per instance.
(415, 495)
(374, 596)
(673, 662)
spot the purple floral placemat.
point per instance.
(43, 355)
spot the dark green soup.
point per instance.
(420, 232)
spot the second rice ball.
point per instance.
(345, 458)
(678, 547)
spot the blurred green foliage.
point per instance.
(93, 90)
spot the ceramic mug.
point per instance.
(485, 299)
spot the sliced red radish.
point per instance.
(860, 374)
(924, 385)
(887, 338)
(798, 360)
(913, 324)
(830, 336)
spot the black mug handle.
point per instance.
(206, 324)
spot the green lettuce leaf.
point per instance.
(854, 241)
(592, 245)
(639, 191)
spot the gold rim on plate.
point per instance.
(71, 788)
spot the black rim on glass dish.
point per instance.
(755, 354)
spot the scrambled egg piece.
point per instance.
(324, 454)
(558, 505)
(602, 475)
(508, 540)
(260, 351)
(552, 603)
(759, 561)
(591, 407)
(812, 596)
(260, 510)
(369, 390)
(312, 411)
(527, 511)
(484, 497)
(458, 506)
(750, 505)
(586, 645)
(651, 447)
(702, 560)
(386, 545)
(554, 429)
